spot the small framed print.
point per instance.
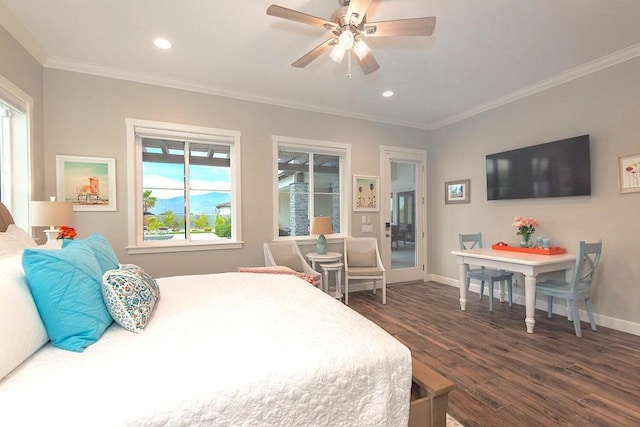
(457, 191)
(629, 174)
(366, 193)
(87, 182)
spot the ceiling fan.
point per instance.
(349, 27)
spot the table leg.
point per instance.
(530, 302)
(325, 280)
(462, 268)
(502, 285)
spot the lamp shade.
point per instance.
(51, 214)
(321, 225)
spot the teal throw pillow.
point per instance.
(101, 248)
(65, 285)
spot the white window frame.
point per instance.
(340, 149)
(17, 129)
(138, 129)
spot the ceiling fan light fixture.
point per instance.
(162, 43)
(337, 54)
(346, 39)
(361, 49)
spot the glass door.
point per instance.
(402, 251)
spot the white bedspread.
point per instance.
(233, 349)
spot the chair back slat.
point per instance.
(587, 261)
(470, 241)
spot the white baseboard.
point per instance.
(559, 309)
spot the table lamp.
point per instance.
(51, 214)
(321, 225)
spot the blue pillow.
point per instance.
(101, 248)
(65, 285)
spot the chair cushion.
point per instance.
(362, 258)
(364, 271)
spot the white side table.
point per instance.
(328, 268)
(328, 258)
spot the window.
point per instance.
(186, 182)
(15, 162)
(312, 179)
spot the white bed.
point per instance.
(222, 349)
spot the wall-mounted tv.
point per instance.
(555, 169)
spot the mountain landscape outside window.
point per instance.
(186, 190)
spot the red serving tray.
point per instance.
(554, 250)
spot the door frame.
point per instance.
(419, 158)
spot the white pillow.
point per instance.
(21, 329)
(14, 240)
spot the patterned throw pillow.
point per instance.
(130, 295)
(144, 276)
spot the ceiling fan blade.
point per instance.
(400, 27)
(294, 15)
(314, 53)
(368, 63)
(358, 7)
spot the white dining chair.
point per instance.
(287, 254)
(362, 262)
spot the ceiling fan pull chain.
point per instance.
(349, 65)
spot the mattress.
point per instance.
(232, 349)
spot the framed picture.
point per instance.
(629, 174)
(87, 182)
(457, 191)
(366, 193)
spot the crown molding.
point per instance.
(607, 61)
(10, 23)
(67, 64)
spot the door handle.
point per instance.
(387, 235)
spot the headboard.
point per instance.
(5, 218)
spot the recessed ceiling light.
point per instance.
(387, 93)
(162, 43)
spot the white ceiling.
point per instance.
(483, 53)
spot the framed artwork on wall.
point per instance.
(629, 174)
(87, 182)
(457, 191)
(366, 193)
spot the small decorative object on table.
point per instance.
(67, 232)
(526, 227)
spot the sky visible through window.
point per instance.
(164, 178)
(210, 187)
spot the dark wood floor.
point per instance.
(504, 376)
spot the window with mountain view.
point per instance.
(187, 186)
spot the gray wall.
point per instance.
(85, 115)
(605, 105)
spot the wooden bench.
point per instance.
(429, 397)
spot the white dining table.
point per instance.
(530, 265)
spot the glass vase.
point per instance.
(526, 241)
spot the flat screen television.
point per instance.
(555, 169)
